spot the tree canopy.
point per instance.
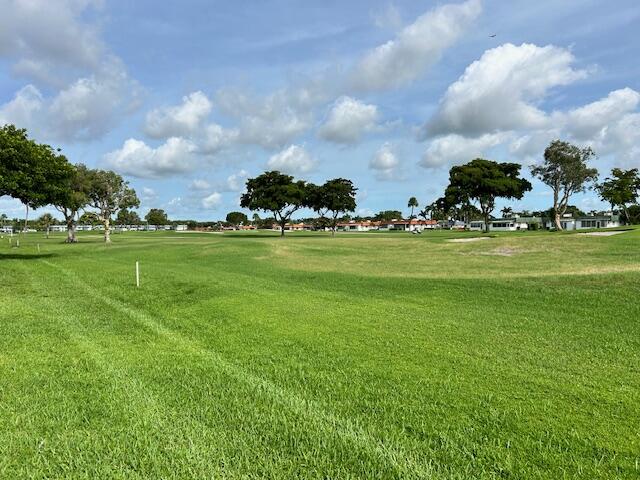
(565, 170)
(621, 189)
(277, 193)
(334, 197)
(109, 194)
(74, 197)
(237, 218)
(156, 216)
(483, 181)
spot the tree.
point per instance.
(3, 218)
(386, 215)
(128, 217)
(256, 220)
(237, 218)
(31, 172)
(108, 194)
(565, 170)
(89, 218)
(73, 198)
(156, 216)
(506, 212)
(335, 197)
(621, 189)
(484, 181)
(413, 203)
(45, 221)
(276, 193)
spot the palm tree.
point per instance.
(506, 211)
(413, 203)
(46, 220)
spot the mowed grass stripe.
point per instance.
(403, 463)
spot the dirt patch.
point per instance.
(602, 234)
(467, 240)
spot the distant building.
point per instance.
(605, 220)
(181, 228)
(512, 224)
(6, 229)
(408, 225)
(57, 228)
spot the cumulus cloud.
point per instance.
(293, 160)
(199, 184)
(236, 182)
(49, 40)
(271, 121)
(385, 163)
(212, 201)
(24, 108)
(137, 159)
(216, 138)
(501, 90)
(418, 46)
(178, 120)
(455, 149)
(348, 120)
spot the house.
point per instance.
(181, 228)
(57, 228)
(604, 220)
(6, 229)
(511, 224)
(409, 225)
(247, 227)
(354, 226)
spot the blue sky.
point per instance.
(187, 99)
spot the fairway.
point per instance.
(389, 356)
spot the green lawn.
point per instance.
(360, 356)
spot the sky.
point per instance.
(188, 99)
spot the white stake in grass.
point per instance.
(137, 274)
(38, 248)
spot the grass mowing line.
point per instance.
(347, 430)
(128, 388)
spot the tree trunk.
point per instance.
(107, 232)
(26, 218)
(71, 230)
(557, 220)
(282, 223)
(626, 215)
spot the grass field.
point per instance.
(363, 356)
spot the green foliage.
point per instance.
(129, 217)
(484, 181)
(277, 193)
(156, 216)
(335, 197)
(237, 218)
(621, 189)
(565, 170)
(31, 172)
(387, 215)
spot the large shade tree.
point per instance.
(621, 190)
(128, 217)
(277, 193)
(565, 169)
(483, 181)
(108, 194)
(73, 198)
(31, 172)
(333, 199)
(237, 218)
(156, 216)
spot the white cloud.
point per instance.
(148, 195)
(501, 90)
(25, 106)
(271, 121)
(137, 159)
(212, 201)
(49, 39)
(417, 47)
(217, 138)
(592, 120)
(348, 120)
(179, 120)
(236, 182)
(199, 184)
(455, 149)
(386, 164)
(293, 160)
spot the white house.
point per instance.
(6, 229)
(507, 225)
(606, 220)
(58, 228)
(181, 228)
(354, 226)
